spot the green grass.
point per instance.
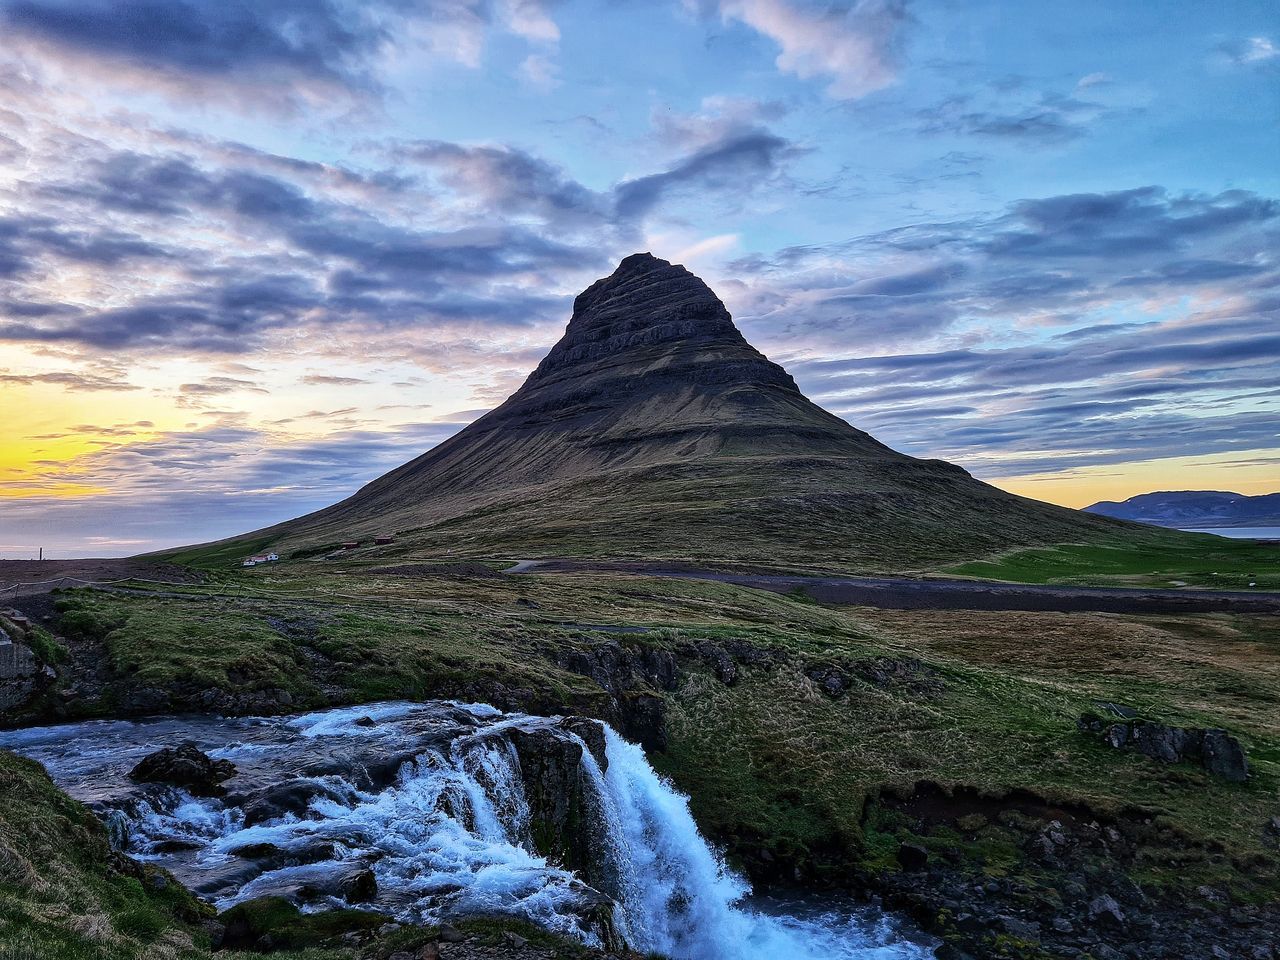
(221, 555)
(60, 896)
(1209, 562)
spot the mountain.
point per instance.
(1194, 508)
(652, 429)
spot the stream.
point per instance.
(430, 801)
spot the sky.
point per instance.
(255, 254)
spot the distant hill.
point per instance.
(653, 430)
(1195, 508)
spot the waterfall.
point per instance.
(446, 828)
(679, 899)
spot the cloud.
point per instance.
(540, 72)
(740, 162)
(29, 242)
(327, 380)
(280, 55)
(290, 50)
(1137, 324)
(69, 380)
(1014, 114)
(854, 45)
(497, 177)
(185, 486)
(213, 386)
(1251, 51)
(719, 118)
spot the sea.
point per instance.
(1240, 533)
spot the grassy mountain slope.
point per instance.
(654, 430)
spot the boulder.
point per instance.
(1104, 911)
(1215, 750)
(358, 886)
(912, 856)
(185, 765)
(1223, 756)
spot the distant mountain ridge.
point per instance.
(1194, 508)
(654, 430)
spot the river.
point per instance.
(430, 798)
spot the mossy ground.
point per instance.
(771, 762)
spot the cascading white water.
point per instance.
(447, 833)
(677, 896)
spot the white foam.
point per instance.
(451, 834)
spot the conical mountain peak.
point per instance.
(646, 300)
(652, 428)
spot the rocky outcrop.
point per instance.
(23, 674)
(564, 817)
(900, 674)
(1215, 750)
(948, 875)
(185, 765)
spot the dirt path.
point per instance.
(903, 593)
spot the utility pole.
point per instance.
(42, 553)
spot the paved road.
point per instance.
(904, 593)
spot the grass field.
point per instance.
(1212, 562)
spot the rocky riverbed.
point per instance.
(430, 812)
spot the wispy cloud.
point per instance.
(853, 46)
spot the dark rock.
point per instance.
(358, 886)
(1169, 744)
(257, 851)
(830, 680)
(898, 673)
(1217, 751)
(514, 940)
(1116, 735)
(20, 674)
(592, 734)
(1223, 756)
(451, 934)
(175, 845)
(1022, 929)
(718, 659)
(366, 722)
(563, 815)
(643, 720)
(184, 766)
(912, 856)
(1105, 911)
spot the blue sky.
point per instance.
(253, 255)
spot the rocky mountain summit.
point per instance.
(653, 429)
